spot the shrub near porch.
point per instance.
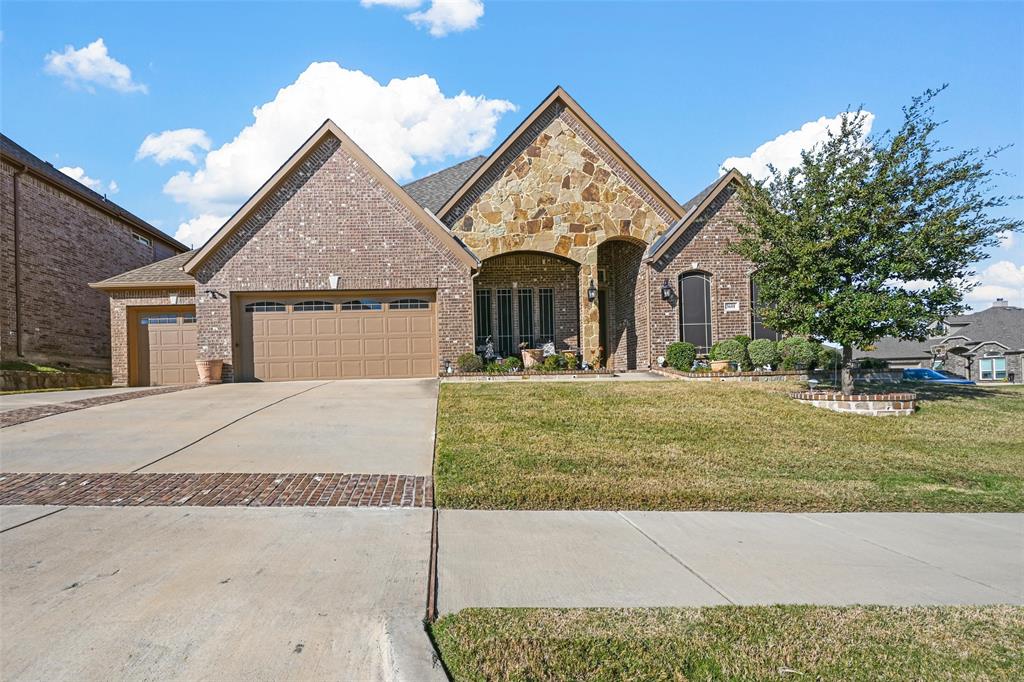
(680, 445)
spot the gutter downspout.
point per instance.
(17, 267)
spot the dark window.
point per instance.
(503, 342)
(362, 304)
(162, 318)
(483, 316)
(313, 306)
(142, 240)
(188, 317)
(409, 304)
(526, 317)
(757, 328)
(547, 315)
(695, 310)
(264, 307)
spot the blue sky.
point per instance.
(682, 86)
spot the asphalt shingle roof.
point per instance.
(167, 270)
(26, 158)
(431, 192)
(1000, 323)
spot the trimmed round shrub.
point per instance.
(553, 363)
(730, 350)
(763, 353)
(571, 362)
(796, 353)
(872, 363)
(470, 362)
(680, 355)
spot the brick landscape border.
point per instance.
(28, 414)
(730, 376)
(870, 404)
(217, 490)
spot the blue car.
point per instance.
(932, 376)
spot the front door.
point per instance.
(602, 321)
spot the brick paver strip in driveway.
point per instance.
(29, 414)
(217, 490)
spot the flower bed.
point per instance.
(732, 376)
(870, 404)
(526, 374)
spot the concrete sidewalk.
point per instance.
(618, 559)
(161, 593)
(18, 401)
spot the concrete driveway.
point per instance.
(296, 427)
(221, 592)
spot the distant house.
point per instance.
(983, 346)
(56, 236)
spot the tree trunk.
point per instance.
(847, 370)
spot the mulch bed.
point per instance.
(28, 414)
(218, 490)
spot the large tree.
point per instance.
(871, 236)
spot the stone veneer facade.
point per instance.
(330, 215)
(558, 189)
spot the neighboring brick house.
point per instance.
(57, 236)
(333, 270)
(984, 346)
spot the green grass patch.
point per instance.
(734, 643)
(22, 366)
(678, 445)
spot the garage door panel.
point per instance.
(165, 348)
(329, 344)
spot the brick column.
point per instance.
(590, 321)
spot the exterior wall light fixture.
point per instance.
(666, 290)
(591, 292)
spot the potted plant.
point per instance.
(531, 356)
(209, 371)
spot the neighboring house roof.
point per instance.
(161, 274)
(329, 127)
(560, 95)
(19, 156)
(692, 210)
(432, 191)
(999, 324)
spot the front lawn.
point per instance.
(679, 445)
(734, 643)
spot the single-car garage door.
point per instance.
(165, 349)
(357, 336)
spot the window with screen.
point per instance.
(695, 309)
(482, 303)
(547, 315)
(757, 328)
(503, 339)
(526, 317)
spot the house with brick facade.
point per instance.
(332, 270)
(984, 346)
(57, 236)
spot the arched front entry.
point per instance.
(526, 297)
(621, 303)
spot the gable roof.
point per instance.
(1002, 325)
(560, 95)
(161, 274)
(329, 127)
(19, 156)
(432, 191)
(692, 210)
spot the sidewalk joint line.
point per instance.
(907, 556)
(221, 428)
(675, 558)
(25, 523)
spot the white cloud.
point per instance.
(1007, 240)
(448, 16)
(195, 232)
(1002, 279)
(78, 173)
(174, 145)
(398, 123)
(442, 17)
(91, 66)
(113, 187)
(784, 151)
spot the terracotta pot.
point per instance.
(721, 366)
(532, 357)
(209, 371)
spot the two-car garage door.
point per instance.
(339, 337)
